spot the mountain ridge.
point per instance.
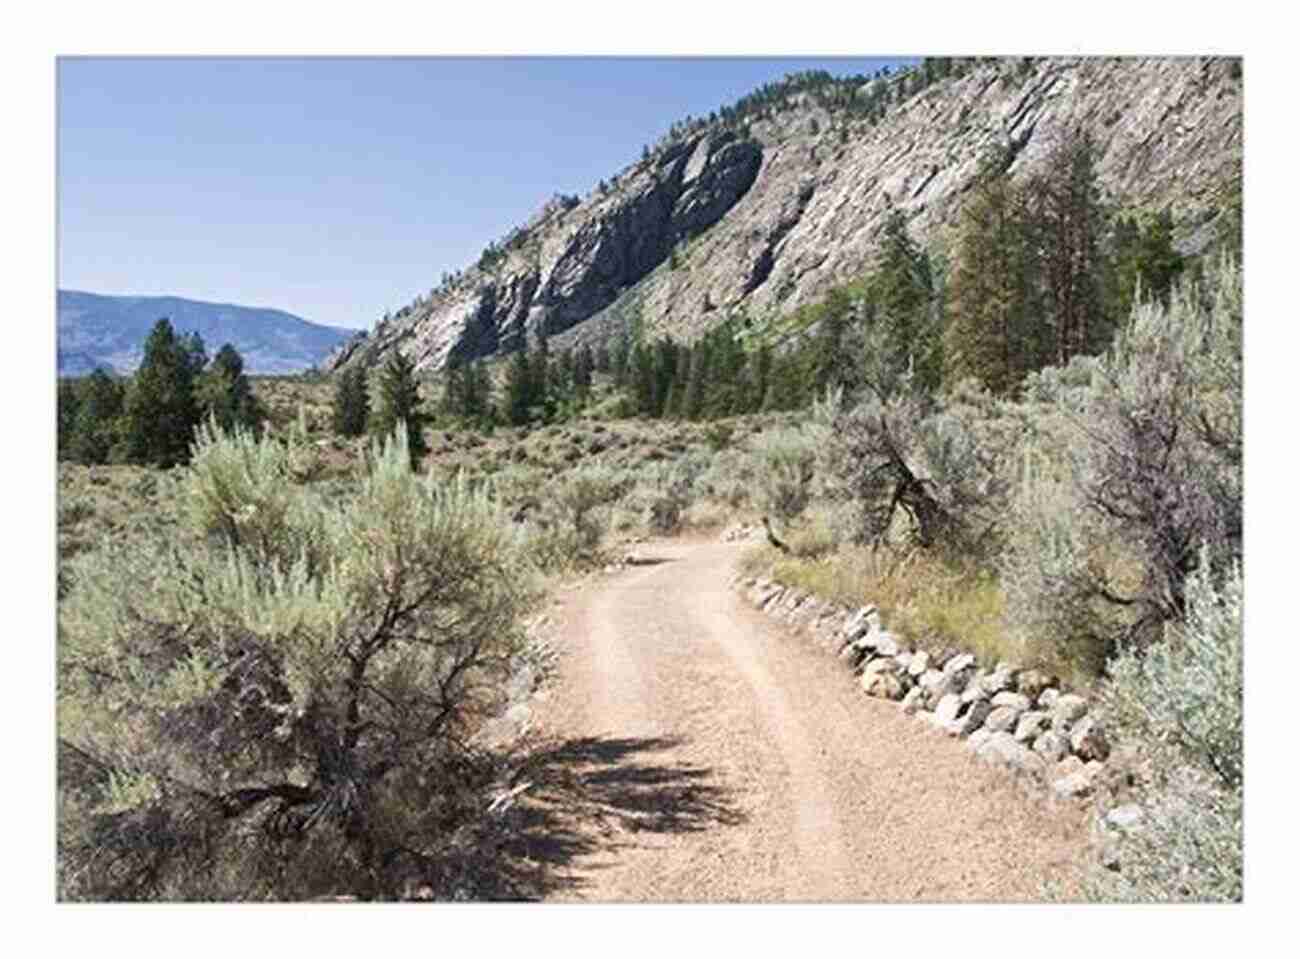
(107, 330)
(764, 209)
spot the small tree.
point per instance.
(97, 422)
(225, 394)
(68, 402)
(161, 408)
(399, 401)
(351, 408)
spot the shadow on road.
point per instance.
(592, 795)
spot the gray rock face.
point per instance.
(769, 221)
(1047, 699)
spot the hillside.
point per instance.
(110, 331)
(771, 202)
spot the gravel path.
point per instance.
(709, 756)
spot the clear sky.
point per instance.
(339, 188)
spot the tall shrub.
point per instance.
(273, 705)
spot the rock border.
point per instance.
(1018, 718)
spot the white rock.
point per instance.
(1074, 786)
(931, 679)
(1001, 747)
(1070, 707)
(979, 738)
(959, 663)
(1124, 818)
(970, 720)
(881, 664)
(887, 643)
(914, 700)
(920, 664)
(997, 681)
(1015, 701)
(946, 711)
(1088, 740)
(1001, 719)
(1047, 698)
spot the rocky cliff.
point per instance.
(766, 214)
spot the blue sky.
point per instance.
(339, 188)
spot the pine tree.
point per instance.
(98, 412)
(351, 407)
(901, 290)
(398, 400)
(225, 394)
(161, 409)
(518, 394)
(1143, 257)
(993, 333)
(1069, 221)
(68, 402)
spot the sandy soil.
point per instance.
(694, 751)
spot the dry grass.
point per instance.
(932, 602)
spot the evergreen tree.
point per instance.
(455, 389)
(98, 413)
(1143, 257)
(398, 400)
(478, 395)
(583, 370)
(901, 290)
(68, 402)
(351, 407)
(1069, 221)
(993, 332)
(225, 394)
(692, 405)
(161, 409)
(518, 395)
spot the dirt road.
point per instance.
(696, 752)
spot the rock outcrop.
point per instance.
(769, 217)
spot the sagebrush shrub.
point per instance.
(1139, 456)
(937, 465)
(1180, 702)
(786, 463)
(273, 706)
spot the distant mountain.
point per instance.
(109, 332)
